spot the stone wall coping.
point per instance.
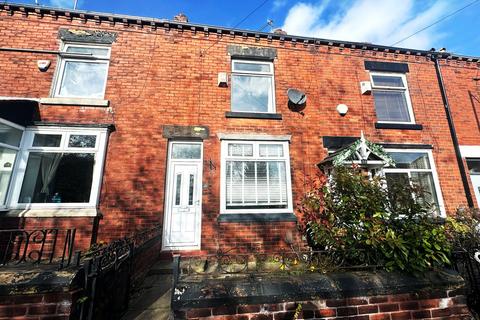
(52, 213)
(75, 102)
(30, 279)
(204, 293)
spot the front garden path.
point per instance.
(152, 299)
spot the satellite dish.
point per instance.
(297, 100)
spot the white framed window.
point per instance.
(417, 167)
(255, 177)
(391, 98)
(252, 86)
(82, 71)
(10, 140)
(58, 167)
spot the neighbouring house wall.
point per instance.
(463, 91)
(166, 76)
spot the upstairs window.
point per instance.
(252, 86)
(256, 177)
(391, 97)
(82, 71)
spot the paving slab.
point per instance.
(152, 300)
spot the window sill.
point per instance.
(401, 126)
(253, 115)
(257, 217)
(75, 102)
(51, 213)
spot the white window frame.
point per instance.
(255, 157)
(18, 149)
(78, 57)
(272, 105)
(432, 169)
(26, 147)
(387, 88)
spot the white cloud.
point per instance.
(278, 4)
(381, 22)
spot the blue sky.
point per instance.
(377, 21)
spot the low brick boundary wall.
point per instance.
(38, 293)
(349, 295)
(42, 291)
(37, 306)
(394, 307)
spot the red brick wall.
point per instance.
(464, 97)
(37, 306)
(159, 77)
(463, 94)
(393, 307)
(83, 228)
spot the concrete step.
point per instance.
(161, 267)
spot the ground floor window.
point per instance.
(57, 178)
(416, 167)
(54, 167)
(10, 139)
(255, 176)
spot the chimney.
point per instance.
(181, 17)
(279, 31)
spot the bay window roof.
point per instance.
(361, 152)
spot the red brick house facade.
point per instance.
(165, 114)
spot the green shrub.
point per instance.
(463, 229)
(395, 228)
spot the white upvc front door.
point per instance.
(182, 220)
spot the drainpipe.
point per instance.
(453, 133)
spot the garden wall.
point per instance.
(38, 293)
(42, 291)
(353, 295)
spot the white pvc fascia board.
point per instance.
(470, 151)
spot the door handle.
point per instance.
(197, 203)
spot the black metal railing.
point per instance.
(467, 263)
(37, 246)
(108, 271)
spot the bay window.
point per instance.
(58, 167)
(10, 139)
(416, 167)
(255, 177)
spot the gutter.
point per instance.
(453, 132)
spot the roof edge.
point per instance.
(165, 23)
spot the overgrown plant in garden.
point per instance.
(396, 228)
